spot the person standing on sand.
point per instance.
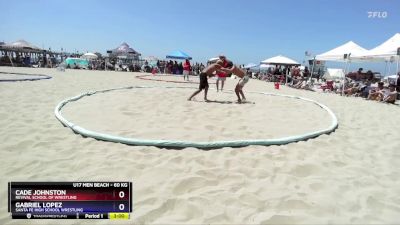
(186, 70)
(208, 71)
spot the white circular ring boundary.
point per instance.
(184, 144)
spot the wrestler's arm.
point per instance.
(226, 70)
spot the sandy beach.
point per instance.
(350, 176)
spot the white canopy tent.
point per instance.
(250, 65)
(337, 54)
(385, 52)
(280, 60)
(382, 52)
(265, 66)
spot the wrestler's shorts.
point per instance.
(244, 80)
(203, 81)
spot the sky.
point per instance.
(244, 30)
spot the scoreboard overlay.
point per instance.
(70, 200)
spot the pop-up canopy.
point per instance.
(178, 55)
(250, 65)
(280, 60)
(337, 54)
(383, 52)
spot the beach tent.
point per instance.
(387, 51)
(333, 74)
(383, 51)
(178, 55)
(337, 54)
(280, 60)
(89, 55)
(82, 63)
(265, 66)
(250, 65)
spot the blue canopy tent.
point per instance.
(178, 55)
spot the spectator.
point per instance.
(186, 69)
(174, 67)
(180, 68)
(306, 72)
(390, 95)
(376, 94)
(170, 66)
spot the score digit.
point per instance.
(121, 194)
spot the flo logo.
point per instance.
(377, 14)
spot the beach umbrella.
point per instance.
(89, 55)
